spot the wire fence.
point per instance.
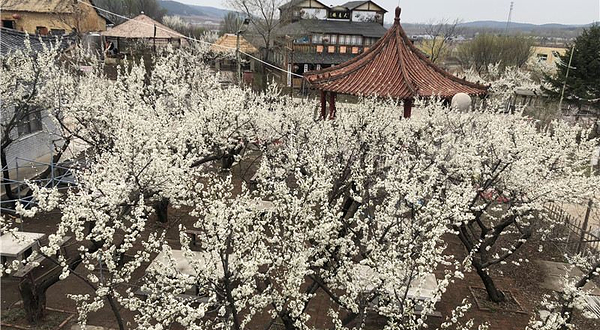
(578, 227)
(27, 172)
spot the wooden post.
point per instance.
(323, 104)
(154, 40)
(332, 96)
(584, 228)
(407, 108)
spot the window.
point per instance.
(343, 39)
(8, 24)
(370, 41)
(30, 123)
(342, 49)
(319, 48)
(542, 57)
(365, 49)
(331, 49)
(317, 39)
(57, 32)
(333, 39)
(318, 66)
(356, 40)
(354, 50)
(41, 30)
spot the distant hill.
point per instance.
(212, 11)
(179, 9)
(519, 26)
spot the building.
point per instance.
(392, 67)
(225, 49)
(51, 16)
(314, 36)
(547, 55)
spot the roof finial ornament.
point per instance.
(397, 18)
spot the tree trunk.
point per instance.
(34, 301)
(288, 323)
(494, 294)
(161, 208)
(6, 177)
(116, 312)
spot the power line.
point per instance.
(194, 39)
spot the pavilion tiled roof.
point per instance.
(392, 67)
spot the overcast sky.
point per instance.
(525, 11)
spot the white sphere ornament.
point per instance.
(461, 102)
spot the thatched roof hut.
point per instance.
(228, 42)
(144, 28)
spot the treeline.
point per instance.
(486, 49)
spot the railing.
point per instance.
(60, 176)
(581, 235)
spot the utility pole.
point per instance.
(238, 58)
(562, 92)
(512, 3)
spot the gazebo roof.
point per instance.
(142, 26)
(392, 67)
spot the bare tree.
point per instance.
(442, 33)
(231, 23)
(263, 14)
(488, 49)
(131, 8)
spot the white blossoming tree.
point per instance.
(351, 211)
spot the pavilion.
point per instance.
(392, 67)
(145, 29)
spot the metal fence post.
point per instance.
(581, 244)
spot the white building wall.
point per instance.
(37, 146)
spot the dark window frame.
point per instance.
(30, 123)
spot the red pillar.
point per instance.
(323, 103)
(407, 108)
(332, 97)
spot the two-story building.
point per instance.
(314, 36)
(51, 16)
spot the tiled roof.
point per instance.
(310, 26)
(392, 67)
(12, 40)
(352, 4)
(294, 3)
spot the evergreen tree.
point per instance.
(583, 82)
